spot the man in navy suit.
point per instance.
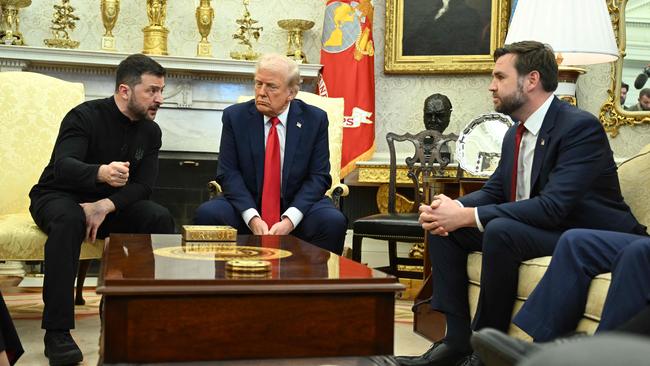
(304, 166)
(556, 172)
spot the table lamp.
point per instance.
(579, 31)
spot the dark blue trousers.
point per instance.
(505, 243)
(558, 302)
(323, 225)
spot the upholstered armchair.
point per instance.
(633, 174)
(32, 107)
(334, 109)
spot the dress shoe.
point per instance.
(439, 354)
(61, 349)
(496, 348)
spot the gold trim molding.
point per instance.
(612, 115)
(396, 62)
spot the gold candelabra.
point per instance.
(204, 17)
(295, 27)
(246, 31)
(9, 24)
(63, 20)
(110, 9)
(155, 34)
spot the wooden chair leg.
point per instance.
(356, 247)
(81, 278)
(392, 257)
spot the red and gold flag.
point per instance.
(348, 59)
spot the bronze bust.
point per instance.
(437, 112)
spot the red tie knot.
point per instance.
(520, 129)
(274, 121)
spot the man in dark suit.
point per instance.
(558, 302)
(556, 172)
(274, 160)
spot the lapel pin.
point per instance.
(542, 142)
(299, 124)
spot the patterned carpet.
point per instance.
(29, 305)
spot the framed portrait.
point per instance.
(443, 36)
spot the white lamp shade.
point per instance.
(580, 30)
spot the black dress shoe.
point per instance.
(439, 354)
(61, 349)
(496, 348)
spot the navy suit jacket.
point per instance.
(306, 166)
(574, 183)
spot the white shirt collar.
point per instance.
(282, 116)
(534, 122)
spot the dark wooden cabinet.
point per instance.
(182, 182)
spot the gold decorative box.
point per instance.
(209, 233)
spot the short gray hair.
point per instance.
(277, 62)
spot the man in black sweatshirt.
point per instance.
(99, 180)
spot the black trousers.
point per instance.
(61, 217)
(505, 243)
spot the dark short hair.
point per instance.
(625, 86)
(130, 70)
(533, 56)
(645, 92)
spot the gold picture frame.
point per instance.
(612, 115)
(405, 54)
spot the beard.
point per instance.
(137, 110)
(513, 101)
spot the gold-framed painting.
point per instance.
(443, 36)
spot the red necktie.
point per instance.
(271, 188)
(515, 165)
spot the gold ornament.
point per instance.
(63, 20)
(204, 16)
(9, 24)
(295, 27)
(244, 34)
(155, 34)
(110, 9)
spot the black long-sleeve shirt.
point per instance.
(95, 133)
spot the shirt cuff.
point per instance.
(294, 215)
(478, 221)
(248, 215)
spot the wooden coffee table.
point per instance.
(168, 302)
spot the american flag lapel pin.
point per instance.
(299, 124)
(542, 142)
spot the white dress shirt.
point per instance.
(292, 213)
(526, 154)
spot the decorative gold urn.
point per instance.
(9, 32)
(295, 27)
(110, 9)
(155, 34)
(204, 17)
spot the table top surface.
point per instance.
(143, 263)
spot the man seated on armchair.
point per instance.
(556, 172)
(274, 164)
(98, 181)
(558, 302)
